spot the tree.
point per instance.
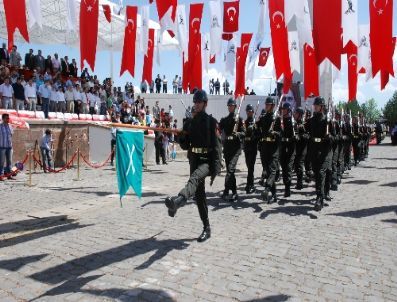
(371, 111)
(352, 107)
(390, 110)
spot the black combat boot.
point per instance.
(249, 189)
(299, 185)
(266, 195)
(174, 203)
(225, 195)
(334, 187)
(234, 197)
(319, 203)
(327, 197)
(206, 234)
(287, 192)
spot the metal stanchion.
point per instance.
(78, 165)
(29, 184)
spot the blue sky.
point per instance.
(171, 62)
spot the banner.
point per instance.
(148, 59)
(352, 63)
(263, 56)
(15, 11)
(350, 21)
(311, 77)
(231, 12)
(182, 34)
(89, 11)
(363, 53)
(34, 13)
(128, 56)
(107, 12)
(215, 28)
(327, 30)
(294, 54)
(145, 14)
(129, 161)
(230, 57)
(241, 59)
(71, 13)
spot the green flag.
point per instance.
(129, 160)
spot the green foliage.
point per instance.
(390, 110)
(371, 111)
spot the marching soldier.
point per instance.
(356, 140)
(347, 141)
(233, 130)
(335, 131)
(287, 153)
(263, 175)
(250, 147)
(321, 151)
(268, 129)
(308, 161)
(202, 140)
(341, 146)
(301, 138)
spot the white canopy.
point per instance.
(110, 36)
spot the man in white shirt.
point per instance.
(54, 98)
(69, 96)
(56, 64)
(84, 101)
(77, 99)
(6, 94)
(31, 95)
(61, 106)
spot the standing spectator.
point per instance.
(45, 92)
(45, 148)
(19, 95)
(14, 77)
(5, 146)
(6, 94)
(149, 117)
(65, 66)
(69, 97)
(39, 63)
(56, 64)
(85, 74)
(4, 56)
(180, 85)
(158, 84)
(15, 58)
(31, 95)
(217, 86)
(175, 85)
(84, 100)
(151, 87)
(48, 64)
(47, 76)
(29, 60)
(54, 98)
(252, 92)
(61, 106)
(158, 145)
(103, 99)
(73, 68)
(77, 99)
(170, 112)
(91, 98)
(227, 86)
(165, 82)
(143, 86)
(211, 86)
(156, 110)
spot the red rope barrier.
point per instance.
(15, 172)
(96, 166)
(59, 170)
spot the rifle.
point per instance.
(256, 110)
(237, 116)
(276, 115)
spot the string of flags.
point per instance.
(302, 37)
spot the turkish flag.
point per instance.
(212, 59)
(241, 59)
(310, 80)
(107, 12)
(185, 73)
(15, 11)
(263, 56)
(279, 35)
(384, 75)
(381, 32)
(227, 37)
(163, 6)
(352, 62)
(89, 10)
(148, 59)
(128, 58)
(194, 47)
(230, 16)
(327, 30)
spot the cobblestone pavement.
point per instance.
(66, 240)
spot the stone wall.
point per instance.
(68, 136)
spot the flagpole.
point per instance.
(138, 127)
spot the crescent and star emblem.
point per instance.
(231, 9)
(275, 15)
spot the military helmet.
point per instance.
(286, 106)
(200, 96)
(319, 101)
(249, 108)
(270, 100)
(231, 102)
(300, 110)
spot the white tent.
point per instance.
(110, 36)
